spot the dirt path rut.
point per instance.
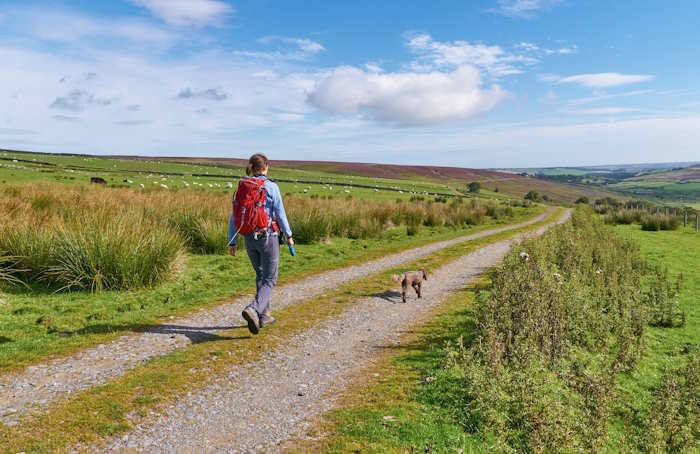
(256, 407)
(38, 385)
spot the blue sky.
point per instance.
(493, 83)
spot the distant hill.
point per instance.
(676, 175)
(602, 169)
(675, 182)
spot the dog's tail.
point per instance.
(396, 277)
(425, 275)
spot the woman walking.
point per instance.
(258, 215)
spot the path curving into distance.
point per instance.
(257, 407)
(35, 387)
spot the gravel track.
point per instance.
(259, 406)
(35, 387)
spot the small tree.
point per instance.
(582, 199)
(474, 186)
(545, 197)
(533, 196)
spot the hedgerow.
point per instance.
(566, 314)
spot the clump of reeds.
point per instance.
(315, 219)
(78, 237)
(656, 222)
(91, 252)
(74, 238)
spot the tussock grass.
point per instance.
(90, 238)
(316, 219)
(83, 240)
(656, 222)
(650, 217)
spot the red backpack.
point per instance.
(249, 213)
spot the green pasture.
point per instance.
(70, 169)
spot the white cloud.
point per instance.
(606, 111)
(529, 47)
(493, 59)
(161, 123)
(292, 49)
(304, 44)
(72, 27)
(187, 12)
(524, 9)
(604, 96)
(405, 99)
(567, 50)
(599, 80)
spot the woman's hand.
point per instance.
(290, 241)
(232, 250)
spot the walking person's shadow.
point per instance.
(196, 334)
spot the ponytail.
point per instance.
(256, 164)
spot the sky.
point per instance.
(492, 83)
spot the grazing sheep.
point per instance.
(413, 278)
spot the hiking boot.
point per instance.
(251, 316)
(266, 319)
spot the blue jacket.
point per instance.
(274, 207)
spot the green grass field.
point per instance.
(69, 169)
(679, 251)
(320, 178)
(410, 402)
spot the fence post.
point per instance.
(696, 222)
(685, 217)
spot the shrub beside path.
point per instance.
(38, 385)
(257, 407)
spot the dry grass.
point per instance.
(94, 238)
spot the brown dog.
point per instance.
(413, 278)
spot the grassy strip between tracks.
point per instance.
(111, 409)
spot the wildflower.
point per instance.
(598, 271)
(557, 276)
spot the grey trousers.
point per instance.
(264, 254)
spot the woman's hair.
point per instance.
(256, 164)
